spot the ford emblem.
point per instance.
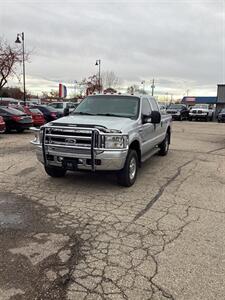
(70, 141)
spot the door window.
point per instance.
(146, 109)
(154, 105)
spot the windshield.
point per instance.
(175, 106)
(49, 108)
(116, 106)
(35, 111)
(56, 105)
(201, 106)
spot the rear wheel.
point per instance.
(55, 171)
(164, 146)
(127, 176)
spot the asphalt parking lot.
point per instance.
(85, 237)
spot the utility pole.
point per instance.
(153, 86)
(18, 41)
(98, 63)
(143, 86)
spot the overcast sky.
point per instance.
(179, 43)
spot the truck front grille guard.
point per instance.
(95, 141)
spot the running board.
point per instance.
(149, 154)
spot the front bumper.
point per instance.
(198, 116)
(105, 160)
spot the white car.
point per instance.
(61, 106)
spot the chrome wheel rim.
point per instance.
(132, 168)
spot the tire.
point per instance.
(55, 171)
(164, 146)
(127, 176)
(190, 119)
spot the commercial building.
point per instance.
(217, 102)
(220, 97)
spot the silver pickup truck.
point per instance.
(105, 132)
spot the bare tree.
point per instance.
(109, 79)
(136, 89)
(9, 59)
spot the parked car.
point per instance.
(2, 125)
(15, 119)
(105, 132)
(162, 108)
(221, 116)
(50, 113)
(36, 114)
(62, 106)
(178, 111)
(201, 112)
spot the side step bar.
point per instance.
(149, 154)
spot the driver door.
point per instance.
(146, 130)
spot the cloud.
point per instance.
(180, 43)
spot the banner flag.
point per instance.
(62, 91)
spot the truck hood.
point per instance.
(173, 110)
(200, 109)
(116, 123)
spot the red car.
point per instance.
(2, 125)
(36, 114)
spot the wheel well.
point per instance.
(135, 145)
(169, 133)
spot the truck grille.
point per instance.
(197, 111)
(71, 141)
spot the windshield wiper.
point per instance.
(83, 113)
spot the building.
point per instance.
(190, 101)
(220, 97)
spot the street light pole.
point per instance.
(153, 86)
(18, 41)
(98, 63)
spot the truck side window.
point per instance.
(154, 105)
(145, 109)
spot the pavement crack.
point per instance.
(161, 191)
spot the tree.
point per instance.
(92, 84)
(109, 79)
(135, 89)
(51, 94)
(10, 57)
(12, 92)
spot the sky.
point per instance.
(180, 43)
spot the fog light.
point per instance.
(80, 161)
(60, 158)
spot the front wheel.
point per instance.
(164, 146)
(127, 176)
(55, 171)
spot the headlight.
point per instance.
(115, 142)
(178, 112)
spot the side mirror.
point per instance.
(155, 117)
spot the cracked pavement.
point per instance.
(84, 237)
